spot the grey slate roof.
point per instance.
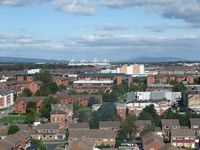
(170, 122)
(82, 143)
(48, 126)
(5, 146)
(5, 92)
(109, 124)
(183, 132)
(29, 99)
(80, 125)
(195, 121)
(142, 123)
(92, 133)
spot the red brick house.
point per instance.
(183, 138)
(61, 114)
(79, 126)
(21, 104)
(190, 79)
(34, 86)
(119, 80)
(20, 140)
(99, 137)
(61, 81)
(151, 79)
(151, 141)
(48, 132)
(109, 125)
(20, 107)
(121, 110)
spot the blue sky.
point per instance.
(88, 29)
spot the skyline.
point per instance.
(116, 29)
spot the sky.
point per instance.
(116, 30)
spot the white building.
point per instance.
(6, 98)
(154, 95)
(34, 71)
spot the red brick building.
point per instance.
(121, 110)
(61, 114)
(20, 105)
(34, 86)
(93, 86)
(151, 79)
(183, 138)
(99, 137)
(61, 81)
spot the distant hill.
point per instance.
(16, 60)
(157, 59)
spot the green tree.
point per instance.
(179, 87)
(169, 114)
(94, 122)
(128, 129)
(31, 106)
(39, 144)
(13, 129)
(149, 113)
(46, 108)
(107, 111)
(30, 118)
(27, 93)
(43, 76)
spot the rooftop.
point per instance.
(183, 132)
(113, 124)
(93, 82)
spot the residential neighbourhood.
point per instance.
(131, 112)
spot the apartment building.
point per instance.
(93, 86)
(6, 98)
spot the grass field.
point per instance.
(12, 118)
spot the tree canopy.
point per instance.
(13, 129)
(149, 113)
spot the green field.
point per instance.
(12, 118)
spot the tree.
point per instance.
(169, 114)
(179, 87)
(13, 129)
(94, 122)
(46, 108)
(44, 76)
(149, 113)
(31, 106)
(30, 118)
(128, 129)
(48, 86)
(118, 94)
(107, 111)
(27, 93)
(39, 144)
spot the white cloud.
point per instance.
(89, 46)
(112, 27)
(76, 7)
(187, 10)
(19, 2)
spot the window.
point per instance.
(179, 138)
